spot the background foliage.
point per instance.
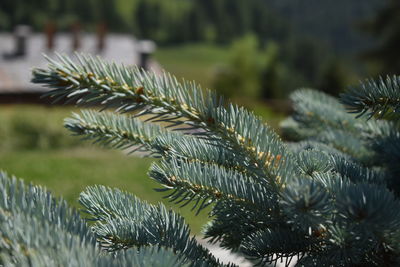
(311, 43)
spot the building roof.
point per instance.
(15, 73)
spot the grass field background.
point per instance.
(193, 62)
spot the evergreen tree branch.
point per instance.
(294, 131)
(298, 147)
(357, 173)
(39, 230)
(317, 111)
(316, 200)
(311, 162)
(233, 222)
(347, 143)
(115, 131)
(266, 247)
(94, 82)
(374, 97)
(123, 221)
(31, 242)
(125, 132)
(37, 202)
(191, 181)
(314, 120)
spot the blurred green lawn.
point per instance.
(194, 62)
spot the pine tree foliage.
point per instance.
(123, 221)
(37, 229)
(329, 200)
(380, 98)
(94, 82)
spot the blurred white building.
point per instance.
(22, 50)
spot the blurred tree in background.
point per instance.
(241, 76)
(386, 28)
(273, 71)
(310, 43)
(192, 20)
(334, 77)
(332, 22)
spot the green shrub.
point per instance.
(30, 127)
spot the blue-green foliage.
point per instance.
(364, 162)
(329, 200)
(379, 97)
(123, 221)
(40, 230)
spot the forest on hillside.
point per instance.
(176, 21)
(286, 43)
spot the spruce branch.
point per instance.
(266, 247)
(374, 97)
(94, 82)
(191, 181)
(317, 111)
(112, 130)
(126, 132)
(311, 161)
(355, 172)
(38, 230)
(369, 204)
(292, 130)
(27, 241)
(314, 120)
(233, 222)
(387, 150)
(37, 202)
(124, 221)
(346, 142)
(329, 199)
(205, 152)
(307, 204)
(298, 147)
